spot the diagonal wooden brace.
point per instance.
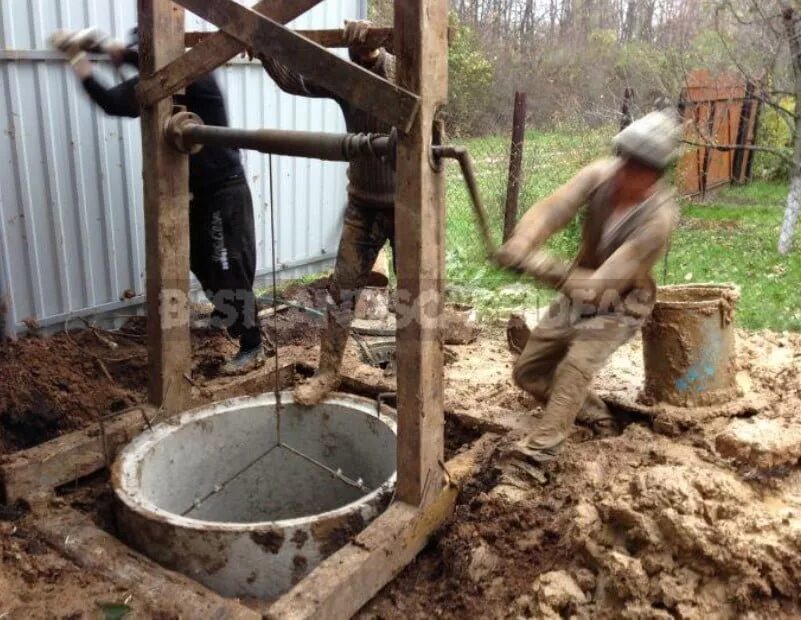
(210, 53)
(360, 87)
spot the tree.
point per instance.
(776, 23)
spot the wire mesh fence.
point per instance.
(549, 160)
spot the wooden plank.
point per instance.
(171, 594)
(211, 53)
(343, 583)
(166, 198)
(364, 89)
(31, 473)
(421, 34)
(376, 37)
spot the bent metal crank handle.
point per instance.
(461, 155)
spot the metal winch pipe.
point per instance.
(187, 133)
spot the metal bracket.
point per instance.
(174, 130)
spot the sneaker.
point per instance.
(244, 361)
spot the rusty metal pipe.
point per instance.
(314, 145)
(187, 132)
(461, 155)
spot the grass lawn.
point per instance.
(730, 237)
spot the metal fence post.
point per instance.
(515, 164)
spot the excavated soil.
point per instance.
(702, 522)
(640, 525)
(53, 385)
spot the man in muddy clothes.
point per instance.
(607, 292)
(369, 217)
(221, 227)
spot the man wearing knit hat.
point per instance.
(607, 292)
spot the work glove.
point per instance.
(92, 40)
(64, 41)
(74, 45)
(546, 268)
(512, 253)
(356, 32)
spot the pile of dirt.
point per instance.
(49, 386)
(57, 384)
(634, 526)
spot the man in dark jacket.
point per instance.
(221, 226)
(369, 217)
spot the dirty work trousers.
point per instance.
(559, 361)
(223, 257)
(365, 231)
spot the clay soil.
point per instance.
(638, 525)
(655, 522)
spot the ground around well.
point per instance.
(701, 519)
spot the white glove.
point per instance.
(62, 40)
(356, 31)
(92, 40)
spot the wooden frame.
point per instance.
(426, 493)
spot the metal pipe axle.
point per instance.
(188, 134)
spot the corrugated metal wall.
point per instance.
(71, 224)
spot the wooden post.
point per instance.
(625, 108)
(166, 195)
(421, 35)
(515, 165)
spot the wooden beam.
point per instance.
(166, 197)
(357, 85)
(211, 53)
(166, 592)
(343, 583)
(421, 44)
(376, 37)
(35, 472)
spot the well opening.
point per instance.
(248, 501)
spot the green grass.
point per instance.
(731, 237)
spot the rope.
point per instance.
(276, 390)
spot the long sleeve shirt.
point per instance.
(213, 166)
(371, 182)
(615, 257)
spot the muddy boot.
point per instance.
(539, 446)
(517, 333)
(531, 449)
(332, 350)
(244, 361)
(596, 415)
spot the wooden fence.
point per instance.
(723, 112)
